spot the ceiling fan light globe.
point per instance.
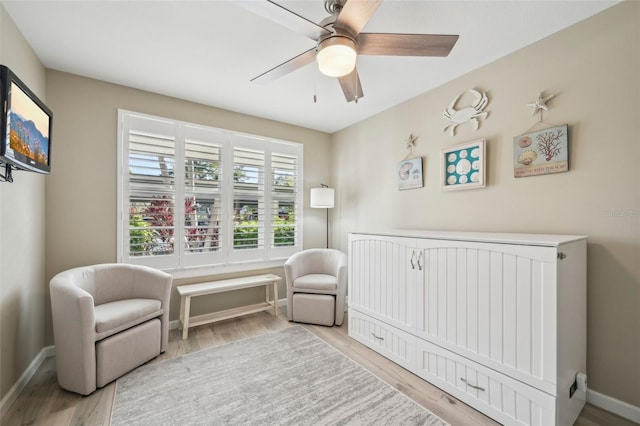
(337, 56)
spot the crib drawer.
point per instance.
(507, 400)
(395, 344)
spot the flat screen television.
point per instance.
(26, 123)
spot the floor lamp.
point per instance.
(323, 198)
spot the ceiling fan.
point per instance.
(339, 41)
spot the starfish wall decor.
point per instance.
(540, 104)
(411, 142)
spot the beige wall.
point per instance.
(594, 69)
(81, 190)
(22, 234)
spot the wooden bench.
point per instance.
(200, 289)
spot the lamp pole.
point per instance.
(327, 227)
(323, 197)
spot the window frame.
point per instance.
(228, 258)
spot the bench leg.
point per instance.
(185, 312)
(275, 298)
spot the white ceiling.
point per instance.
(207, 51)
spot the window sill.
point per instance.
(208, 271)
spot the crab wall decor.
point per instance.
(472, 113)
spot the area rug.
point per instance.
(287, 377)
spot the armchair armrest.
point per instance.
(149, 283)
(341, 271)
(341, 287)
(74, 331)
(293, 268)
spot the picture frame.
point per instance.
(463, 166)
(410, 174)
(541, 152)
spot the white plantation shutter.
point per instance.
(149, 203)
(193, 196)
(204, 216)
(248, 196)
(285, 207)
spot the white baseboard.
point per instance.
(175, 324)
(22, 382)
(621, 408)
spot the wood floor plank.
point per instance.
(43, 402)
(95, 409)
(595, 416)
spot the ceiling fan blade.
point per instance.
(351, 86)
(286, 67)
(355, 14)
(405, 44)
(284, 17)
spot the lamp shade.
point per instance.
(322, 198)
(336, 56)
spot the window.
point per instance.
(194, 196)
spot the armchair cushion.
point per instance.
(114, 317)
(316, 282)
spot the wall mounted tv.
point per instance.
(26, 123)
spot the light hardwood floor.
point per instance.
(42, 402)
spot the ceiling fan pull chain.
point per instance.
(355, 78)
(315, 85)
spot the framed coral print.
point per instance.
(541, 152)
(463, 166)
(410, 174)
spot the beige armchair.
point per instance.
(316, 286)
(107, 320)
